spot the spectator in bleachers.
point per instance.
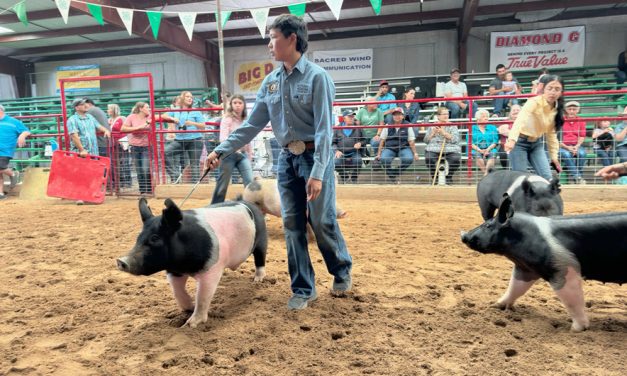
(498, 88)
(536, 88)
(485, 141)
(397, 142)
(411, 109)
(603, 138)
(348, 147)
(447, 136)
(541, 116)
(12, 133)
(454, 88)
(121, 158)
(101, 118)
(185, 144)
(510, 81)
(241, 160)
(621, 73)
(82, 130)
(572, 153)
(504, 132)
(176, 103)
(370, 115)
(138, 125)
(620, 135)
(384, 95)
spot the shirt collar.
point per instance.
(301, 64)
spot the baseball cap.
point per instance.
(348, 113)
(78, 102)
(572, 104)
(397, 111)
(384, 82)
(455, 70)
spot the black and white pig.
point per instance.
(529, 193)
(558, 249)
(199, 243)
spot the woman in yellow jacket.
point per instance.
(541, 116)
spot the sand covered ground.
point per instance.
(421, 303)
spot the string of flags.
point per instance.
(188, 19)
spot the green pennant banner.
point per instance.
(224, 15)
(20, 10)
(376, 6)
(96, 11)
(155, 21)
(298, 10)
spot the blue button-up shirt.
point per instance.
(299, 106)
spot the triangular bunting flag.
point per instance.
(188, 19)
(126, 15)
(261, 18)
(224, 15)
(64, 8)
(335, 6)
(155, 21)
(298, 10)
(20, 10)
(96, 11)
(376, 6)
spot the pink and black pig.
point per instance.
(529, 193)
(198, 243)
(559, 249)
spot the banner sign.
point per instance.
(250, 74)
(344, 65)
(551, 48)
(79, 71)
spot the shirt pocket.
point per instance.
(274, 105)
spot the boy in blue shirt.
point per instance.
(12, 132)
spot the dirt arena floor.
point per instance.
(421, 303)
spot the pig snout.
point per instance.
(464, 236)
(124, 264)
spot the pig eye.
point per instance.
(155, 238)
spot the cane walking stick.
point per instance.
(437, 166)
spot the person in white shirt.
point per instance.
(455, 89)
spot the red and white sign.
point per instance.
(551, 48)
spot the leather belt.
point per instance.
(528, 138)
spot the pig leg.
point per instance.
(180, 294)
(519, 283)
(206, 285)
(571, 294)
(259, 253)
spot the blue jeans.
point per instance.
(348, 166)
(141, 158)
(294, 171)
(375, 146)
(456, 111)
(606, 156)
(573, 163)
(621, 151)
(499, 105)
(276, 149)
(237, 161)
(387, 156)
(176, 149)
(525, 153)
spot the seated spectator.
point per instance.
(370, 115)
(485, 141)
(504, 132)
(411, 109)
(348, 146)
(510, 81)
(572, 154)
(120, 157)
(536, 88)
(436, 137)
(397, 142)
(620, 135)
(497, 88)
(621, 73)
(12, 132)
(185, 144)
(82, 130)
(603, 142)
(384, 95)
(455, 89)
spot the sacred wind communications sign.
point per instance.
(551, 48)
(343, 65)
(250, 74)
(79, 87)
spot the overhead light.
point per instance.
(6, 30)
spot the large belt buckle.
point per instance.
(296, 147)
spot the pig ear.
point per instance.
(555, 185)
(527, 187)
(144, 210)
(172, 216)
(506, 210)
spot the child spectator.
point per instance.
(620, 135)
(511, 82)
(603, 137)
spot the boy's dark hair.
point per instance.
(500, 66)
(288, 24)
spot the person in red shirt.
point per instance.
(572, 154)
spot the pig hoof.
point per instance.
(342, 214)
(503, 306)
(260, 273)
(577, 327)
(194, 321)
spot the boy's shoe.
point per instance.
(343, 286)
(298, 302)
